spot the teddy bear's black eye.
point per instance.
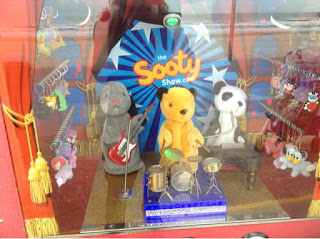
(170, 105)
(123, 94)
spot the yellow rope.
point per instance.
(245, 83)
(38, 175)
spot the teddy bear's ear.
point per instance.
(194, 92)
(161, 91)
(217, 87)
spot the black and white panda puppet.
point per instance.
(231, 102)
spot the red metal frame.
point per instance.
(288, 229)
(10, 209)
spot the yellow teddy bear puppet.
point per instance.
(177, 131)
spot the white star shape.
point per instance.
(146, 27)
(206, 120)
(216, 75)
(116, 52)
(202, 31)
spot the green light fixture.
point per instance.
(172, 20)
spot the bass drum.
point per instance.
(180, 176)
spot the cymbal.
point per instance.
(173, 154)
(194, 159)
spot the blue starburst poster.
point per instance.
(150, 56)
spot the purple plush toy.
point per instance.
(301, 94)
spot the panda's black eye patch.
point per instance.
(226, 96)
(170, 105)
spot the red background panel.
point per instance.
(10, 210)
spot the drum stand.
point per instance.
(195, 182)
(213, 184)
(165, 192)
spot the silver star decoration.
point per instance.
(206, 120)
(116, 52)
(202, 31)
(146, 27)
(216, 75)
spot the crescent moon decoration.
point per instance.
(163, 45)
(278, 24)
(87, 19)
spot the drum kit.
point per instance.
(180, 175)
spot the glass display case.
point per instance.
(162, 115)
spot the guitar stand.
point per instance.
(195, 183)
(213, 184)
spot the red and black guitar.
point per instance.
(117, 153)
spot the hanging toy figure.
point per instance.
(68, 150)
(312, 103)
(64, 169)
(288, 87)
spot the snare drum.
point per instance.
(211, 165)
(180, 176)
(157, 179)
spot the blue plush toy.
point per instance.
(296, 160)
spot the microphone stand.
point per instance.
(126, 193)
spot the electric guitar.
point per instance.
(117, 153)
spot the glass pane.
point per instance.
(219, 100)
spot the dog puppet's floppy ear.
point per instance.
(217, 87)
(133, 111)
(161, 91)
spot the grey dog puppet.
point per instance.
(118, 105)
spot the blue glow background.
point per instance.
(165, 42)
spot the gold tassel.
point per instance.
(257, 139)
(41, 227)
(242, 122)
(93, 128)
(37, 193)
(314, 209)
(317, 175)
(89, 147)
(42, 165)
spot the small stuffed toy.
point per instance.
(285, 159)
(117, 105)
(274, 145)
(312, 103)
(64, 170)
(177, 131)
(296, 160)
(231, 102)
(299, 164)
(68, 150)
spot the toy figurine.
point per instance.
(118, 105)
(177, 131)
(312, 103)
(231, 103)
(64, 170)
